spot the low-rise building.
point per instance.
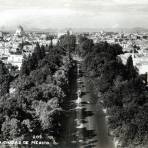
(15, 60)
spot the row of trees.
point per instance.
(35, 107)
(4, 79)
(68, 42)
(121, 90)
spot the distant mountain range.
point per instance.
(136, 29)
(26, 28)
(130, 30)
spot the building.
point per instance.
(15, 60)
(19, 31)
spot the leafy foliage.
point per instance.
(35, 106)
(68, 42)
(122, 92)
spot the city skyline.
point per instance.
(70, 13)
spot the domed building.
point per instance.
(19, 31)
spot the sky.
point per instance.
(73, 13)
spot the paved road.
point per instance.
(92, 131)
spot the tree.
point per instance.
(42, 52)
(24, 68)
(39, 76)
(50, 91)
(61, 79)
(68, 42)
(51, 37)
(37, 51)
(11, 129)
(31, 63)
(4, 79)
(86, 47)
(131, 71)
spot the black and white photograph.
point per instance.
(73, 73)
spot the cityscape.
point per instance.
(74, 74)
(14, 46)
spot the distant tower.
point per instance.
(19, 31)
(102, 32)
(69, 32)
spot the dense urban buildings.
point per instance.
(14, 46)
